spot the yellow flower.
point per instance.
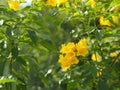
(99, 73)
(96, 57)
(67, 48)
(63, 1)
(56, 2)
(69, 52)
(116, 9)
(64, 62)
(114, 54)
(52, 2)
(104, 21)
(83, 0)
(103, 9)
(115, 19)
(82, 47)
(14, 4)
(93, 3)
(67, 60)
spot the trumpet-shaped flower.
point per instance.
(104, 21)
(56, 2)
(52, 2)
(67, 60)
(14, 4)
(99, 73)
(103, 9)
(116, 10)
(96, 57)
(115, 19)
(82, 48)
(68, 48)
(114, 54)
(93, 3)
(63, 1)
(69, 52)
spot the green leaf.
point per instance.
(72, 86)
(20, 60)
(102, 85)
(6, 68)
(6, 79)
(15, 52)
(33, 36)
(114, 3)
(2, 64)
(8, 32)
(47, 44)
(3, 2)
(2, 6)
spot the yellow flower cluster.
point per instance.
(106, 22)
(14, 4)
(55, 2)
(115, 18)
(70, 52)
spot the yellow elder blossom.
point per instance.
(99, 73)
(67, 56)
(63, 1)
(67, 48)
(93, 3)
(104, 21)
(67, 60)
(14, 4)
(115, 19)
(69, 52)
(103, 9)
(116, 10)
(55, 2)
(81, 47)
(114, 54)
(52, 2)
(96, 57)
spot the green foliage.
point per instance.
(31, 37)
(6, 80)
